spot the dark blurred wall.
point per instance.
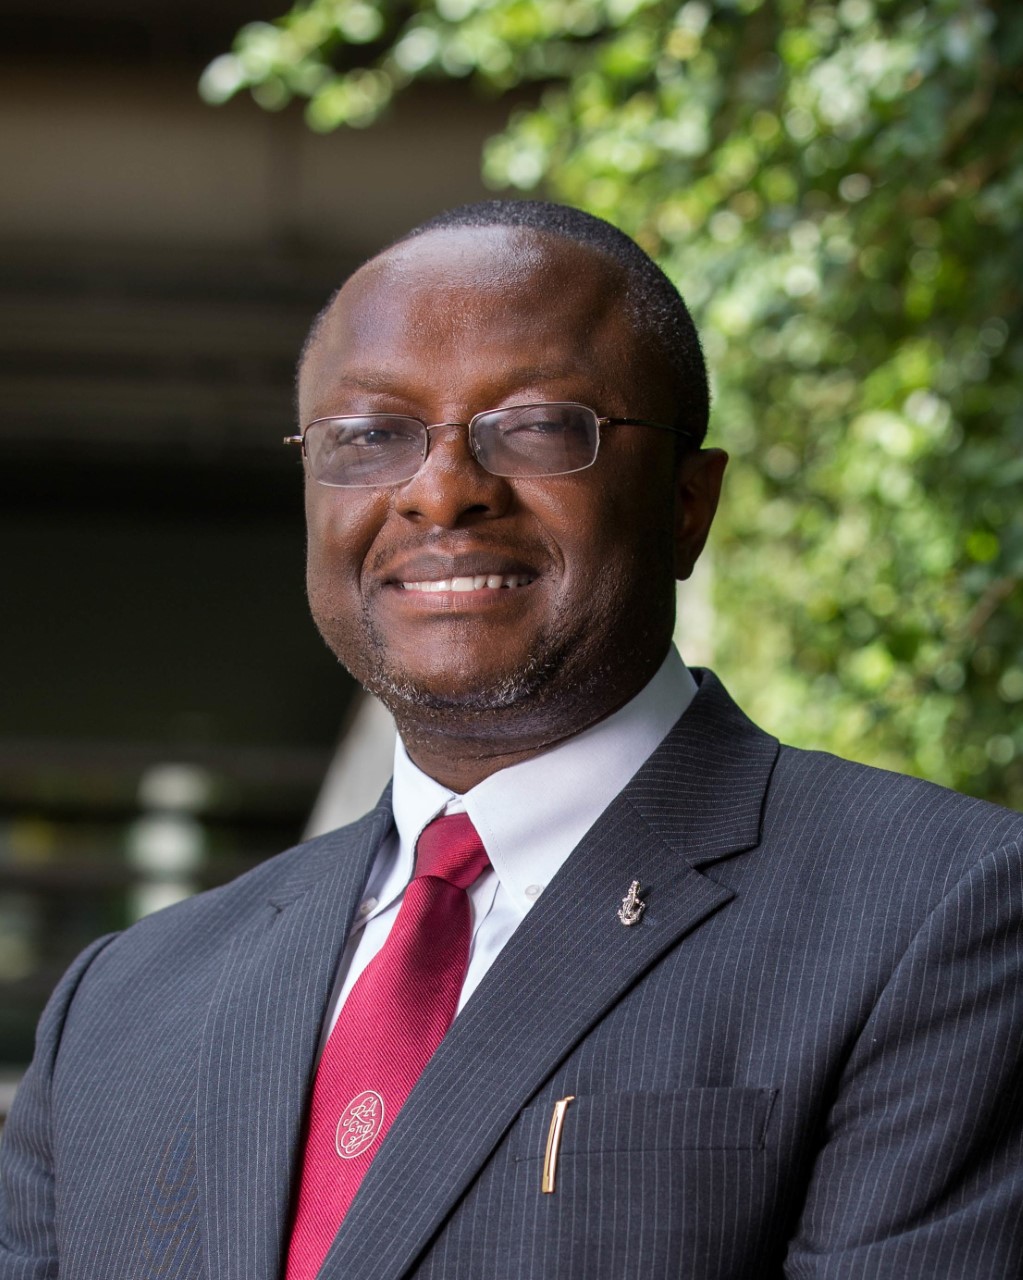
(161, 260)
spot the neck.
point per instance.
(460, 764)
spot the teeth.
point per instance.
(480, 582)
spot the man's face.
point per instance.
(443, 327)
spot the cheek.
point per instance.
(624, 521)
(620, 551)
(340, 527)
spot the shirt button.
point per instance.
(534, 890)
(366, 907)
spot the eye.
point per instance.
(540, 426)
(376, 433)
(546, 426)
(536, 421)
(372, 437)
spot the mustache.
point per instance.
(442, 558)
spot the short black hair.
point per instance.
(655, 306)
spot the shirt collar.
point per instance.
(530, 816)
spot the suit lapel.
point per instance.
(259, 1045)
(697, 799)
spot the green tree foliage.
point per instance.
(837, 187)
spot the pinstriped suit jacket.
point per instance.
(804, 1061)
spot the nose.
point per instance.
(451, 489)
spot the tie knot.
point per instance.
(451, 849)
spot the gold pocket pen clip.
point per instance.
(550, 1160)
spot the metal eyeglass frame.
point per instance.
(682, 432)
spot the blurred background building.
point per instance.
(837, 186)
(167, 711)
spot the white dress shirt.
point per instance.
(530, 816)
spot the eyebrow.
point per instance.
(546, 373)
(364, 381)
(380, 381)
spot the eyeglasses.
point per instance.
(376, 449)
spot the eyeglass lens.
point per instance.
(522, 440)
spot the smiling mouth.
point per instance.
(478, 582)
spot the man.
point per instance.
(724, 1009)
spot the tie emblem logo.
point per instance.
(359, 1125)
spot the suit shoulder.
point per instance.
(872, 807)
(275, 882)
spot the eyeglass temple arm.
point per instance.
(691, 436)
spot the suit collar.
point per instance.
(310, 865)
(703, 790)
(697, 800)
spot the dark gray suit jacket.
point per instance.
(803, 1061)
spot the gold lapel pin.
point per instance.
(632, 906)
(550, 1160)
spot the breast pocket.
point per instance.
(684, 1120)
(674, 1183)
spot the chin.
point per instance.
(404, 694)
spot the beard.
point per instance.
(593, 650)
(408, 698)
(574, 676)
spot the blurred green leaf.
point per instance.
(837, 188)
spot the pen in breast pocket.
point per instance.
(550, 1160)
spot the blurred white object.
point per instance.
(167, 843)
(360, 770)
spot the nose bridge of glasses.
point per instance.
(440, 426)
(451, 481)
(470, 444)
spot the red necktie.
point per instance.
(394, 1018)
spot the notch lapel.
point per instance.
(697, 799)
(259, 1045)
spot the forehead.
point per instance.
(478, 301)
(460, 266)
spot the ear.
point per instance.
(698, 478)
